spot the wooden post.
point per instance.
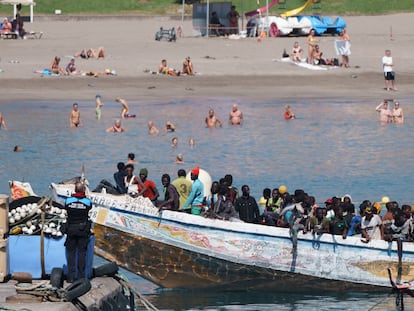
(4, 230)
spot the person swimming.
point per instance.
(288, 113)
(169, 126)
(116, 128)
(179, 159)
(152, 129)
(174, 142)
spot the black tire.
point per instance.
(56, 277)
(78, 288)
(108, 269)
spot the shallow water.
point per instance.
(333, 148)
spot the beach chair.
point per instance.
(34, 34)
(9, 35)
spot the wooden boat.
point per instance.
(179, 250)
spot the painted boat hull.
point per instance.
(178, 250)
(173, 267)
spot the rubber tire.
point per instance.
(108, 269)
(78, 288)
(56, 277)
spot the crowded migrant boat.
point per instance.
(297, 210)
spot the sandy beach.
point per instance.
(243, 68)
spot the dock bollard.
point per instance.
(4, 230)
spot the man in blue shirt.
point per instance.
(78, 231)
(196, 197)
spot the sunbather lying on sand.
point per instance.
(91, 53)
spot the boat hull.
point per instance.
(178, 250)
(172, 267)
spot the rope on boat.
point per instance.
(30, 286)
(316, 241)
(42, 289)
(142, 300)
(159, 217)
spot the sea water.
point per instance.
(333, 148)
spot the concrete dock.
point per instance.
(103, 289)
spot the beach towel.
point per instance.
(342, 47)
(46, 72)
(304, 64)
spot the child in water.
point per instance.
(288, 113)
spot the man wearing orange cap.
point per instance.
(196, 197)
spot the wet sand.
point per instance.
(241, 68)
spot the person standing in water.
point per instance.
(116, 128)
(98, 106)
(125, 108)
(212, 120)
(385, 113)
(2, 122)
(74, 117)
(152, 129)
(397, 114)
(131, 159)
(235, 116)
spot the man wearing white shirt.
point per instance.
(389, 73)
